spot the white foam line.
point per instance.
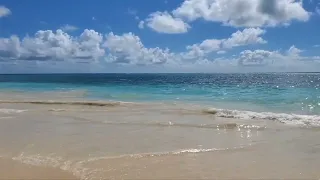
(292, 119)
(75, 168)
(158, 154)
(78, 169)
(10, 111)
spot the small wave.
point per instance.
(11, 111)
(79, 168)
(293, 119)
(53, 161)
(37, 160)
(205, 126)
(80, 103)
(159, 154)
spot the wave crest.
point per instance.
(159, 154)
(294, 119)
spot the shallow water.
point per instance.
(47, 132)
(270, 92)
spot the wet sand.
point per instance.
(10, 169)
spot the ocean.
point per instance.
(160, 126)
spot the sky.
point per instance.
(144, 36)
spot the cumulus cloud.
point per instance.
(163, 22)
(255, 58)
(4, 11)
(254, 61)
(248, 36)
(273, 60)
(69, 27)
(89, 46)
(128, 49)
(49, 45)
(243, 13)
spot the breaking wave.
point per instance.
(292, 119)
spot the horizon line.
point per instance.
(157, 73)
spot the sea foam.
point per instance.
(292, 119)
(11, 111)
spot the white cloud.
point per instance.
(4, 11)
(255, 58)
(141, 24)
(163, 22)
(253, 61)
(69, 27)
(10, 48)
(128, 49)
(245, 37)
(49, 45)
(293, 51)
(88, 47)
(291, 60)
(196, 51)
(244, 13)
(240, 38)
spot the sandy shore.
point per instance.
(151, 141)
(10, 169)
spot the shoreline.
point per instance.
(8, 106)
(157, 141)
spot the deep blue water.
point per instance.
(276, 92)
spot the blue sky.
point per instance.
(159, 36)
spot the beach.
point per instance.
(83, 140)
(64, 134)
(160, 90)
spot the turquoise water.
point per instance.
(286, 92)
